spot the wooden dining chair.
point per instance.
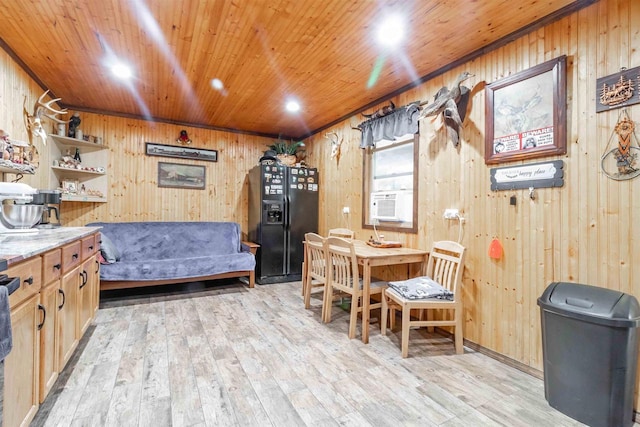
(344, 278)
(315, 268)
(445, 266)
(342, 232)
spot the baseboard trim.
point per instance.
(504, 359)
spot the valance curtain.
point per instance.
(400, 122)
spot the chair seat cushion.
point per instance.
(422, 287)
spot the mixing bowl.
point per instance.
(21, 216)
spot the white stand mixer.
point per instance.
(20, 193)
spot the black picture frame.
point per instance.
(526, 114)
(179, 175)
(179, 152)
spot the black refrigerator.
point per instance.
(283, 206)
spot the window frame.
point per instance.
(367, 159)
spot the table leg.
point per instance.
(366, 299)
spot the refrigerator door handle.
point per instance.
(287, 233)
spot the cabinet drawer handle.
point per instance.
(74, 256)
(57, 266)
(97, 266)
(29, 281)
(91, 247)
(64, 299)
(44, 315)
(85, 278)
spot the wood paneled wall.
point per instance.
(586, 231)
(133, 191)
(134, 194)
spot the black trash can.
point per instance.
(590, 352)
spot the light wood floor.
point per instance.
(232, 356)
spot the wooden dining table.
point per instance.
(369, 257)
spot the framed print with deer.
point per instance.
(526, 114)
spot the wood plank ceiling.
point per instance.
(321, 52)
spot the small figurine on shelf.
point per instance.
(6, 150)
(74, 122)
(76, 156)
(83, 189)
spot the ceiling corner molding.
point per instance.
(166, 121)
(534, 26)
(22, 65)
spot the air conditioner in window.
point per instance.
(392, 205)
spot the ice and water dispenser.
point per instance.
(271, 212)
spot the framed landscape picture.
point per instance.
(526, 114)
(152, 149)
(176, 175)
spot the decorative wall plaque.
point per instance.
(621, 162)
(618, 90)
(533, 175)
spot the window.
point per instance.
(391, 185)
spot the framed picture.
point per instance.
(70, 186)
(152, 149)
(526, 114)
(176, 175)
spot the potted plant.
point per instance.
(286, 152)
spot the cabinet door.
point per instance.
(86, 295)
(96, 285)
(21, 365)
(49, 299)
(67, 317)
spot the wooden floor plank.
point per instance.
(226, 355)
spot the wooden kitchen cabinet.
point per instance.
(50, 300)
(53, 307)
(21, 365)
(96, 285)
(86, 295)
(67, 317)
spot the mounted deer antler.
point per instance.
(336, 144)
(33, 122)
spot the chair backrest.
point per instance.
(316, 247)
(343, 263)
(446, 264)
(342, 232)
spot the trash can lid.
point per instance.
(592, 304)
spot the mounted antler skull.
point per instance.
(33, 122)
(336, 144)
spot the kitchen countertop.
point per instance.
(15, 248)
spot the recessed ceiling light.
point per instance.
(217, 84)
(121, 71)
(292, 106)
(391, 31)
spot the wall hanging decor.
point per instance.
(336, 145)
(621, 162)
(526, 114)
(618, 90)
(532, 175)
(452, 103)
(184, 138)
(175, 175)
(181, 152)
(41, 110)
